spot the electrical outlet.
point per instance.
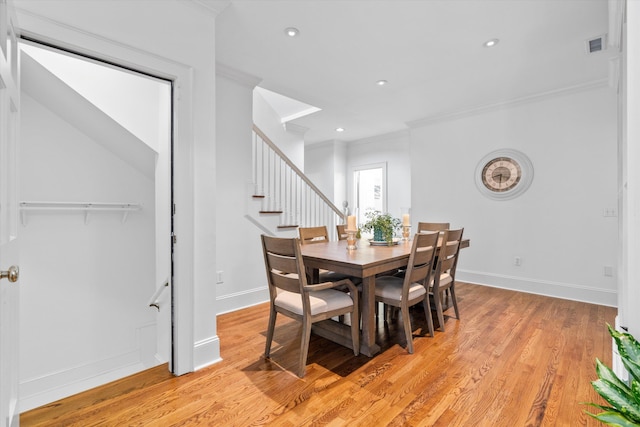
(609, 212)
(517, 261)
(608, 271)
(219, 274)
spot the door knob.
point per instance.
(12, 274)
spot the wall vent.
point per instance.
(596, 44)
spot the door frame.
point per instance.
(182, 298)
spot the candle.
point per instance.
(351, 222)
(405, 220)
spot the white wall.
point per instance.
(85, 290)
(325, 165)
(557, 227)
(394, 149)
(238, 245)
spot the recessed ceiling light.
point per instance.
(291, 31)
(491, 43)
(339, 129)
(381, 82)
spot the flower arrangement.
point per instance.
(383, 226)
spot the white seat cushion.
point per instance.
(390, 287)
(320, 301)
(445, 279)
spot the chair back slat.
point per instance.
(433, 226)
(342, 231)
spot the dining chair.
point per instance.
(433, 226)
(444, 277)
(407, 291)
(342, 231)
(290, 294)
(312, 235)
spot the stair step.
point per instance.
(288, 226)
(270, 212)
(258, 196)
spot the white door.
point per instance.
(9, 291)
(369, 189)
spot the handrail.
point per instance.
(301, 174)
(153, 301)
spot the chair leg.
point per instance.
(427, 312)
(270, 329)
(437, 297)
(304, 346)
(406, 320)
(355, 333)
(454, 300)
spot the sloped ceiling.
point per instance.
(430, 51)
(57, 96)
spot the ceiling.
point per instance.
(430, 51)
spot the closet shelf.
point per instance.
(86, 207)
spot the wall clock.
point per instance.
(504, 174)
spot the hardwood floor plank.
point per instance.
(513, 359)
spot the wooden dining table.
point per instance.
(365, 262)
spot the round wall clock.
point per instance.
(504, 174)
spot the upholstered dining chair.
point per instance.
(432, 226)
(291, 295)
(444, 277)
(312, 235)
(404, 292)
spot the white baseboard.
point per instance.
(568, 291)
(206, 353)
(48, 388)
(239, 300)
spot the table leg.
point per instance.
(368, 344)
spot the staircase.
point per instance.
(286, 198)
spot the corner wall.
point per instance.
(557, 227)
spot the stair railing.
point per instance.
(287, 191)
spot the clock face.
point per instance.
(501, 174)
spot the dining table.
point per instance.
(365, 262)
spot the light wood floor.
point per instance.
(513, 360)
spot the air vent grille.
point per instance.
(596, 44)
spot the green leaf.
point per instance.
(629, 350)
(635, 390)
(632, 367)
(620, 399)
(605, 373)
(613, 419)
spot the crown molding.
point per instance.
(211, 7)
(385, 137)
(238, 76)
(466, 112)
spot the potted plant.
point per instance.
(623, 397)
(383, 226)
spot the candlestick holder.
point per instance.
(406, 231)
(351, 240)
